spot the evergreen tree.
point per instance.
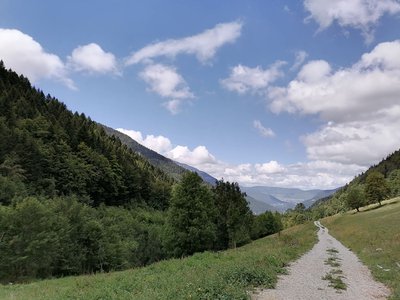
(191, 215)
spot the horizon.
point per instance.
(282, 94)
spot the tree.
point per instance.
(234, 215)
(190, 224)
(266, 224)
(394, 183)
(376, 188)
(355, 197)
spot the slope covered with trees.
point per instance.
(48, 150)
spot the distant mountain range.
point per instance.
(282, 199)
(260, 198)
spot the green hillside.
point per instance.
(49, 151)
(388, 169)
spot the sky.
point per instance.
(280, 93)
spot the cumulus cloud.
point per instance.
(197, 157)
(244, 79)
(360, 105)
(168, 83)
(203, 45)
(26, 56)
(265, 132)
(160, 144)
(271, 167)
(315, 174)
(91, 58)
(360, 14)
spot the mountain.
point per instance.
(172, 168)
(167, 165)
(284, 198)
(205, 176)
(259, 207)
(47, 150)
(321, 195)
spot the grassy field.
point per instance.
(222, 275)
(374, 235)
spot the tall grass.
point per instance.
(374, 235)
(222, 275)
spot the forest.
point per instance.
(74, 200)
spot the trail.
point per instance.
(305, 275)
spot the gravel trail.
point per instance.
(305, 275)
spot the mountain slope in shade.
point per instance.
(259, 207)
(167, 165)
(205, 176)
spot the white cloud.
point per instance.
(198, 157)
(91, 58)
(159, 143)
(168, 83)
(360, 105)
(271, 167)
(265, 132)
(26, 56)
(203, 45)
(360, 14)
(245, 79)
(300, 57)
(315, 174)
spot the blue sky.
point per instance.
(283, 93)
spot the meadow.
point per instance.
(230, 274)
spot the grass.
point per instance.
(222, 275)
(335, 275)
(374, 235)
(335, 281)
(333, 262)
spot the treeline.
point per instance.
(74, 200)
(44, 237)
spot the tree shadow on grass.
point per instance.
(379, 206)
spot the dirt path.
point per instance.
(340, 267)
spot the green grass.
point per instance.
(335, 275)
(374, 235)
(335, 281)
(222, 275)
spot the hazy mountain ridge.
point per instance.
(282, 199)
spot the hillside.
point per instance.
(48, 150)
(388, 167)
(167, 165)
(170, 167)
